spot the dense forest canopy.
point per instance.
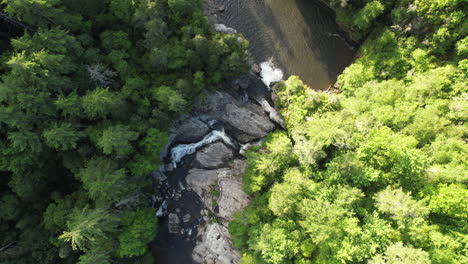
(86, 98)
(377, 172)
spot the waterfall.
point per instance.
(270, 73)
(182, 150)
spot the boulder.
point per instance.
(214, 156)
(223, 29)
(243, 81)
(215, 246)
(232, 198)
(174, 222)
(247, 122)
(186, 218)
(191, 130)
(200, 181)
(212, 106)
(256, 69)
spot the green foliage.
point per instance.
(104, 180)
(376, 173)
(368, 14)
(81, 127)
(117, 139)
(88, 228)
(398, 253)
(139, 228)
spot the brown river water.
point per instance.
(300, 35)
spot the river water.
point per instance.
(300, 35)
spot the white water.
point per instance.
(270, 73)
(180, 151)
(223, 29)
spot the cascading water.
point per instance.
(182, 150)
(270, 74)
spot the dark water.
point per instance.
(300, 35)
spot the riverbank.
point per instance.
(200, 185)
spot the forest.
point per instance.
(88, 90)
(375, 171)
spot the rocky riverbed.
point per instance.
(200, 186)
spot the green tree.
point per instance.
(117, 140)
(398, 253)
(139, 228)
(88, 228)
(62, 136)
(104, 180)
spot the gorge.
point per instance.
(200, 185)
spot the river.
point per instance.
(300, 35)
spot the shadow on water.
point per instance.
(174, 248)
(301, 35)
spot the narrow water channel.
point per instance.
(300, 35)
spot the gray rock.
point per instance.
(191, 130)
(243, 81)
(256, 69)
(232, 199)
(174, 222)
(186, 218)
(215, 246)
(223, 29)
(200, 181)
(249, 122)
(212, 106)
(214, 156)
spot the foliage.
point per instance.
(377, 172)
(86, 101)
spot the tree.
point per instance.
(168, 98)
(88, 228)
(398, 253)
(117, 140)
(401, 207)
(139, 228)
(62, 136)
(104, 180)
(98, 103)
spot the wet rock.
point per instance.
(223, 29)
(212, 106)
(243, 81)
(186, 218)
(249, 122)
(191, 130)
(214, 156)
(174, 222)
(215, 246)
(232, 199)
(256, 69)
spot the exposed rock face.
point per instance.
(232, 198)
(191, 130)
(250, 122)
(215, 247)
(200, 181)
(204, 173)
(214, 156)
